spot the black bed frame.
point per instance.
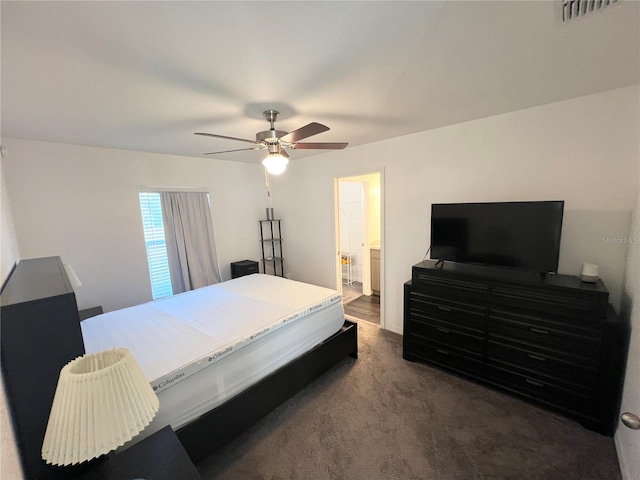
(40, 332)
(219, 426)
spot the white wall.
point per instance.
(10, 467)
(9, 253)
(583, 151)
(81, 203)
(627, 440)
(375, 235)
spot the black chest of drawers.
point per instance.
(553, 340)
(243, 267)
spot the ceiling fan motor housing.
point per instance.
(270, 136)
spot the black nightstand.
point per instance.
(160, 456)
(243, 267)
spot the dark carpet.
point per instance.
(381, 417)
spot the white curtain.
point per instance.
(191, 249)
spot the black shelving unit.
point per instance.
(271, 242)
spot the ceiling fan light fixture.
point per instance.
(275, 163)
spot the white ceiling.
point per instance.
(146, 75)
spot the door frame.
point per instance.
(354, 176)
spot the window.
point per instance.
(152, 223)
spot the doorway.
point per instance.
(358, 245)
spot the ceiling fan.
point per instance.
(276, 141)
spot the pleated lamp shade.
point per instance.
(73, 278)
(102, 401)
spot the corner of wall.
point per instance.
(9, 254)
(10, 467)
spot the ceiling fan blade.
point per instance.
(320, 146)
(303, 132)
(284, 153)
(237, 150)
(224, 136)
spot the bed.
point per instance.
(219, 357)
(203, 347)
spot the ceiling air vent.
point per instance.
(578, 8)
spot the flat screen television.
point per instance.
(521, 235)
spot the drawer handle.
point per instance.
(443, 330)
(536, 357)
(533, 382)
(444, 309)
(539, 330)
(442, 352)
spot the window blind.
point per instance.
(151, 209)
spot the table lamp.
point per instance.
(73, 278)
(101, 402)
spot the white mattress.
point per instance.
(202, 347)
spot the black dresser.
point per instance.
(551, 339)
(38, 312)
(243, 267)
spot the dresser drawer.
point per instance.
(570, 368)
(445, 355)
(446, 333)
(558, 302)
(454, 289)
(537, 387)
(463, 313)
(541, 331)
